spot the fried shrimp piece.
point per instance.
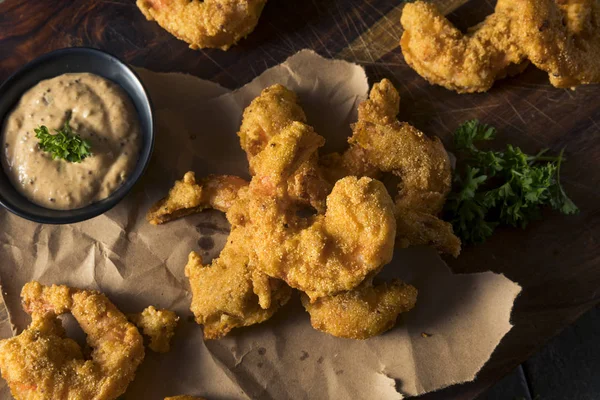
(158, 325)
(361, 313)
(230, 293)
(189, 197)
(392, 146)
(445, 56)
(266, 116)
(327, 253)
(222, 293)
(42, 363)
(562, 38)
(205, 23)
(421, 163)
(380, 143)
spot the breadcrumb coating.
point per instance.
(205, 23)
(42, 363)
(158, 325)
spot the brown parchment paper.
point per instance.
(446, 339)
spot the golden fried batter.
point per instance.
(266, 116)
(380, 143)
(222, 293)
(228, 293)
(397, 147)
(445, 56)
(352, 162)
(327, 253)
(189, 197)
(361, 313)
(42, 363)
(205, 23)
(561, 37)
(416, 228)
(158, 325)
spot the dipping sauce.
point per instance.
(100, 112)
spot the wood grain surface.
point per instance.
(556, 260)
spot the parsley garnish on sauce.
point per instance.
(508, 187)
(64, 144)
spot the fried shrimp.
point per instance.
(329, 252)
(42, 363)
(227, 293)
(205, 23)
(158, 325)
(361, 313)
(223, 294)
(380, 143)
(392, 146)
(276, 108)
(422, 164)
(560, 37)
(189, 197)
(445, 56)
(267, 115)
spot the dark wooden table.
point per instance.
(557, 261)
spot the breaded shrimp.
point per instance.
(205, 23)
(266, 116)
(42, 363)
(327, 253)
(560, 37)
(445, 56)
(392, 146)
(189, 197)
(380, 143)
(158, 325)
(223, 294)
(228, 293)
(363, 312)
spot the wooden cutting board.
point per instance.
(557, 261)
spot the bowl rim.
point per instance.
(110, 201)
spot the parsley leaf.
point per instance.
(470, 132)
(468, 203)
(64, 144)
(493, 188)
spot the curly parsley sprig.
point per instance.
(64, 144)
(500, 187)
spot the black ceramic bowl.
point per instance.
(77, 59)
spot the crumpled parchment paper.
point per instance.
(457, 323)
